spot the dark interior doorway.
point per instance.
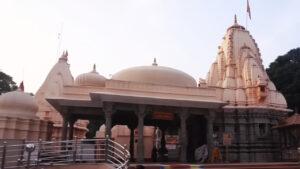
(196, 133)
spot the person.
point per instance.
(201, 153)
(216, 155)
(157, 138)
(154, 154)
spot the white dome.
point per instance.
(18, 104)
(156, 75)
(92, 78)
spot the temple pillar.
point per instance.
(108, 109)
(131, 142)
(64, 128)
(209, 131)
(71, 128)
(183, 135)
(140, 146)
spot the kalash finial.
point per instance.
(94, 68)
(236, 25)
(154, 62)
(235, 19)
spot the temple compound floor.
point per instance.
(289, 165)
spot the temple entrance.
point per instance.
(196, 134)
(165, 136)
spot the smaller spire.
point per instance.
(21, 86)
(64, 56)
(154, 62)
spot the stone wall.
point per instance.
(254, 140)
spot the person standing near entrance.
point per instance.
(201, 153)
(216, 155)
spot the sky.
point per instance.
(117, 34)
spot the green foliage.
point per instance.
(6, 83)
(285, 74)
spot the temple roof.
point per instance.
(18, 104)
(156, 74)
(92, 78)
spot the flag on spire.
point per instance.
(21, 87)
(248, 9)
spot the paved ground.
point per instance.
(221, 166)
(81, 166)
(186, 166)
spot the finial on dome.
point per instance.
(94, 68)
(154, 62)
(235, 19)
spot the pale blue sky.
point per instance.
(116, 34)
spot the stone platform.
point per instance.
(279, 165)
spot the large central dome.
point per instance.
(156, 75)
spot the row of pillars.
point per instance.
(108, 109)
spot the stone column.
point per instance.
(64, 128)
(183, 135)
(131, 144)
(108, 109)
(71, 128)
(209, 131)
(140, 146)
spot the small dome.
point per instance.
(276, 99)
(156, 75)
(271, 86)
(92, 78)
(18, 104)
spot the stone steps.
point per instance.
(292, 165)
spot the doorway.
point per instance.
(196, 134)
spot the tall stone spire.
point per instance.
(239, 71)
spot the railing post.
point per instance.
(20, 160)
(75, 149)
(106, 148)
(29, 148)
(55, 145)
(3, 155)
(39, 152)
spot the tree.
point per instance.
(6, 83)
(285, 74)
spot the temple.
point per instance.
(160, 109)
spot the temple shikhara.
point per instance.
(155, 108)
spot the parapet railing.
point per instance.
(49, 153)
